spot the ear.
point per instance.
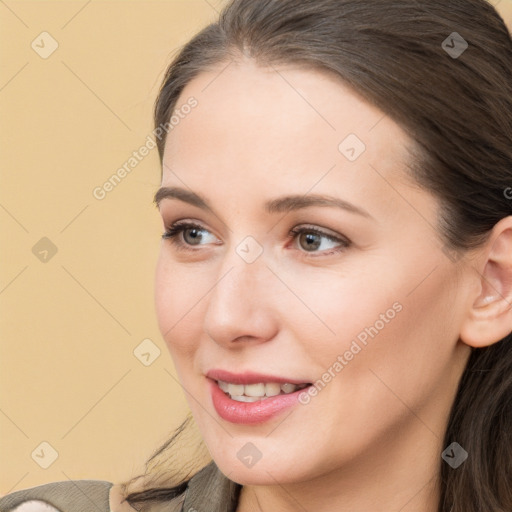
(489, 318)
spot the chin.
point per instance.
(253, 476)
(268, 472)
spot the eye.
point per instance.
(308, 238)
(312, 240)
(194, 232)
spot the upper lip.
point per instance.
(250, 377)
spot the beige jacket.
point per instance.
(208, 491)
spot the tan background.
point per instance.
(70, 323)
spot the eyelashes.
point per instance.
(175, 231)
(342, 243)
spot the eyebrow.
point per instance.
(278, 205)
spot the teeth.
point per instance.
(223, 385)
(255, 392)
(244, 398)
(288, 388)
(235, 389)
(272, 389)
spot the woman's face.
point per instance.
(361, 300)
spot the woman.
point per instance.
(335, 276)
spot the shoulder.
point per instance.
(63, 496)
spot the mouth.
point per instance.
(252, 398)
(258, 391)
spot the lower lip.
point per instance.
(250, 413)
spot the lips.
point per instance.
(252, 378)
(250, 398)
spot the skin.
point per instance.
(373, 436)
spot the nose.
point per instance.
(242, 305)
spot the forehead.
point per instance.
(283, 128)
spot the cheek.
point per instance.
(375, 325)
(341, 309)
(404, 360)
(403, 365)
(177, 299)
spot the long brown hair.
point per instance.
(401, 57)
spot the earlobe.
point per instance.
(489, 318)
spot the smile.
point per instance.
(257, 391)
